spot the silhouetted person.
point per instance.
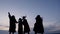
(26, 25)
(20, 27)
(12, 24)
(38, 26)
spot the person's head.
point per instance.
(24, 17)
(38, 16)
(20, 19)
(13, 16)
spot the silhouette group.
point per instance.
(38, 26)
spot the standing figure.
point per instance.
(12, 24)
(38, 26)
(26, 25)
(20, 27)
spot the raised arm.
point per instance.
(9, 15)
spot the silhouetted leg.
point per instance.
(24, 33)
(12, 32)
(28, 32)
(18, 32)
(9, 32)
(35, 33)
(41, 33)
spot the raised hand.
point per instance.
(8, 12)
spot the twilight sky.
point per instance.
(48, 9)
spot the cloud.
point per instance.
(55, 28)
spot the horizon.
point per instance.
(49, 10)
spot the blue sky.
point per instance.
(48, 9)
